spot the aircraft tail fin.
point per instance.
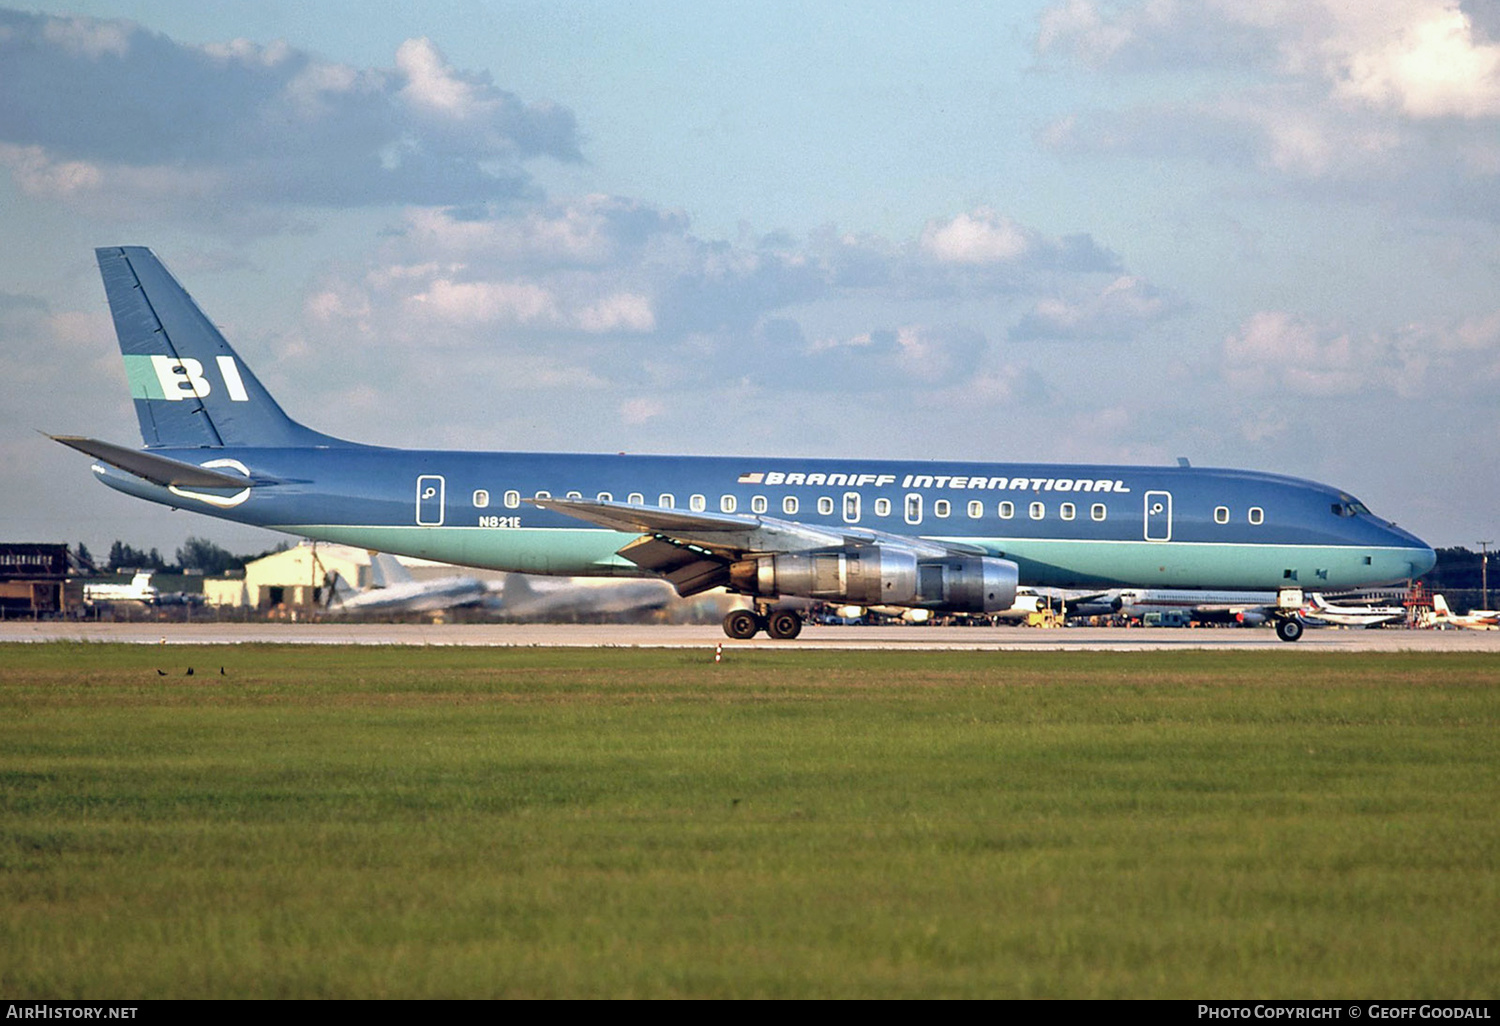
(190, 388)
(517, 589)
(386, 570)
(1440, 606)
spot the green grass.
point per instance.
(445, 822)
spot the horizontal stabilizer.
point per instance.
(150, 467)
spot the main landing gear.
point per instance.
(782, 624)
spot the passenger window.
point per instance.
(1257, 515)
(882, 507)
(758, 504)
(1097, 511)
(666, 500)
(727, 504)
(512, 499)
(636, 498)
(789, 505)
(1068, 511)
(540, 494)
(1007, 510)
(976, 509)
(913, 509)
(1037, 511)
(697, 503)
(851, 507)
(575, 495)
(825, 505)
(1221, 514)
(942, 508)
(605, 497)
(481, 498)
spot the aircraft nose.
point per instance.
(1422, 560)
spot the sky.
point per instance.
(1253, 235)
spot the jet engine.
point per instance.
(881, 575)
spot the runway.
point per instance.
(709, 637)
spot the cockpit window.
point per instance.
(1349, 509)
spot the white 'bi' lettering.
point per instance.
(180, 379)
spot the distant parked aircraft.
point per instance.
(522, 597)
(140, 589)
(1320, 610)
(1477, 620)
(393, 591)
(1246, 607)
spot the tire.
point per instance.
(784, 625)
(742, 624)
(1289, 629)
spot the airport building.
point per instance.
(295, 578)
(298, 578)
(33, 579)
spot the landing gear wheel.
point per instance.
(742, 624)
(1289, 629)
(784, 625)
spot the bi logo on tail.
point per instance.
(164, 377)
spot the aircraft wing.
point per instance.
(694, 550)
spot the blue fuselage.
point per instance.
(1063, 525)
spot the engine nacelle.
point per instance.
(878, 575)
(968, 584)
(866, 575)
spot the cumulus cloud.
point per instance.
(1401, 96)
(1274, 351)
(603, 289)
(983, 237)
(1117, 311)
(108, 112)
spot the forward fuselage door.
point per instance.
(1159, 516)
(430, 489)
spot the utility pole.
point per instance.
(1484, 571)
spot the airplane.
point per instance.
(1249, 608)
(394, 591)
(1318, 609)
(140, 589)
(1476, 620)
(943, 535)
(524, 599)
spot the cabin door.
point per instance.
(430, 489)
(1159, 516)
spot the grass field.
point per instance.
(445, 822)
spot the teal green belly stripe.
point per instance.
(594, 552)
(569, 551)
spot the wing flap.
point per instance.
(689, 570)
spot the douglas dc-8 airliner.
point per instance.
(941, 535)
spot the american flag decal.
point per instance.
(752, 478)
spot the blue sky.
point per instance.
(1254, 235)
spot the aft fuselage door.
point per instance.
(1159, 516)
(430, 489)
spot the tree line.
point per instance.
(1458, 569)
(196, 554)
